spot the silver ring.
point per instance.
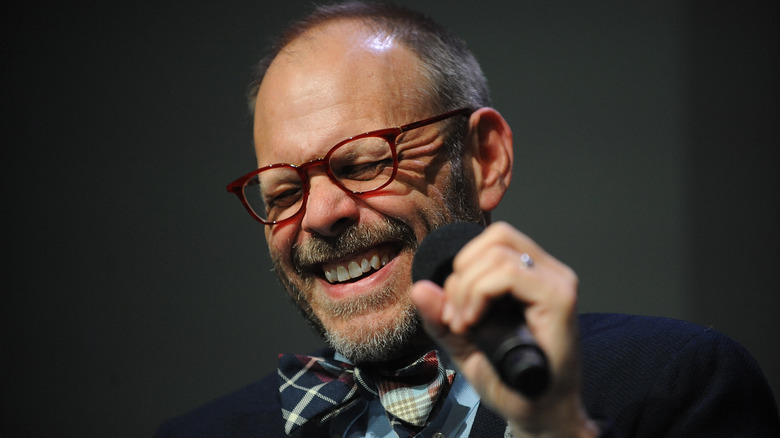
(526, 260)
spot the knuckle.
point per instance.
(566, 288)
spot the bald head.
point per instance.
(453, 76)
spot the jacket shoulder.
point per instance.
(665, 377)
(251, 410)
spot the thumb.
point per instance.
(430, 299)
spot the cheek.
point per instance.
(428, 178)
(421, 211)
(280, 240)
(423, 191)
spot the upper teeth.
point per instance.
(354, 268)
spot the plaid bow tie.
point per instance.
(318, 389)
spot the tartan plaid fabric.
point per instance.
(410, 394)
(318, 389)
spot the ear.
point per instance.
(491, 155)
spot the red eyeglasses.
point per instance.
(361, 164)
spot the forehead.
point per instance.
(333, 82)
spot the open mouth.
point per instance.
(358, 267)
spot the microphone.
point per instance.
(501, 333)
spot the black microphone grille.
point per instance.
(433, 260)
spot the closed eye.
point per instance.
(363, 171)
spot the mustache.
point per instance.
(356, 238)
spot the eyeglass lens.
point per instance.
(359, 166)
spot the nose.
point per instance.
(329, 209)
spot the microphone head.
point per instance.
(433, 260)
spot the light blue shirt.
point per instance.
(454, 419)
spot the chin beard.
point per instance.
(382, 344)
(367, 344)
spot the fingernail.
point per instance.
(456, 325)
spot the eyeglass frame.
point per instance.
(388, 134)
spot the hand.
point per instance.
(488, 267)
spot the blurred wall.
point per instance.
(136, 288)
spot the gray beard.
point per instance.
(382, 345)
(406, 332)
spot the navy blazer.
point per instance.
(643, 376)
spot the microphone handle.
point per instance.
(511, 348)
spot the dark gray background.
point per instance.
(136, 288)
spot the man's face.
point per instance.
(330, 84)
